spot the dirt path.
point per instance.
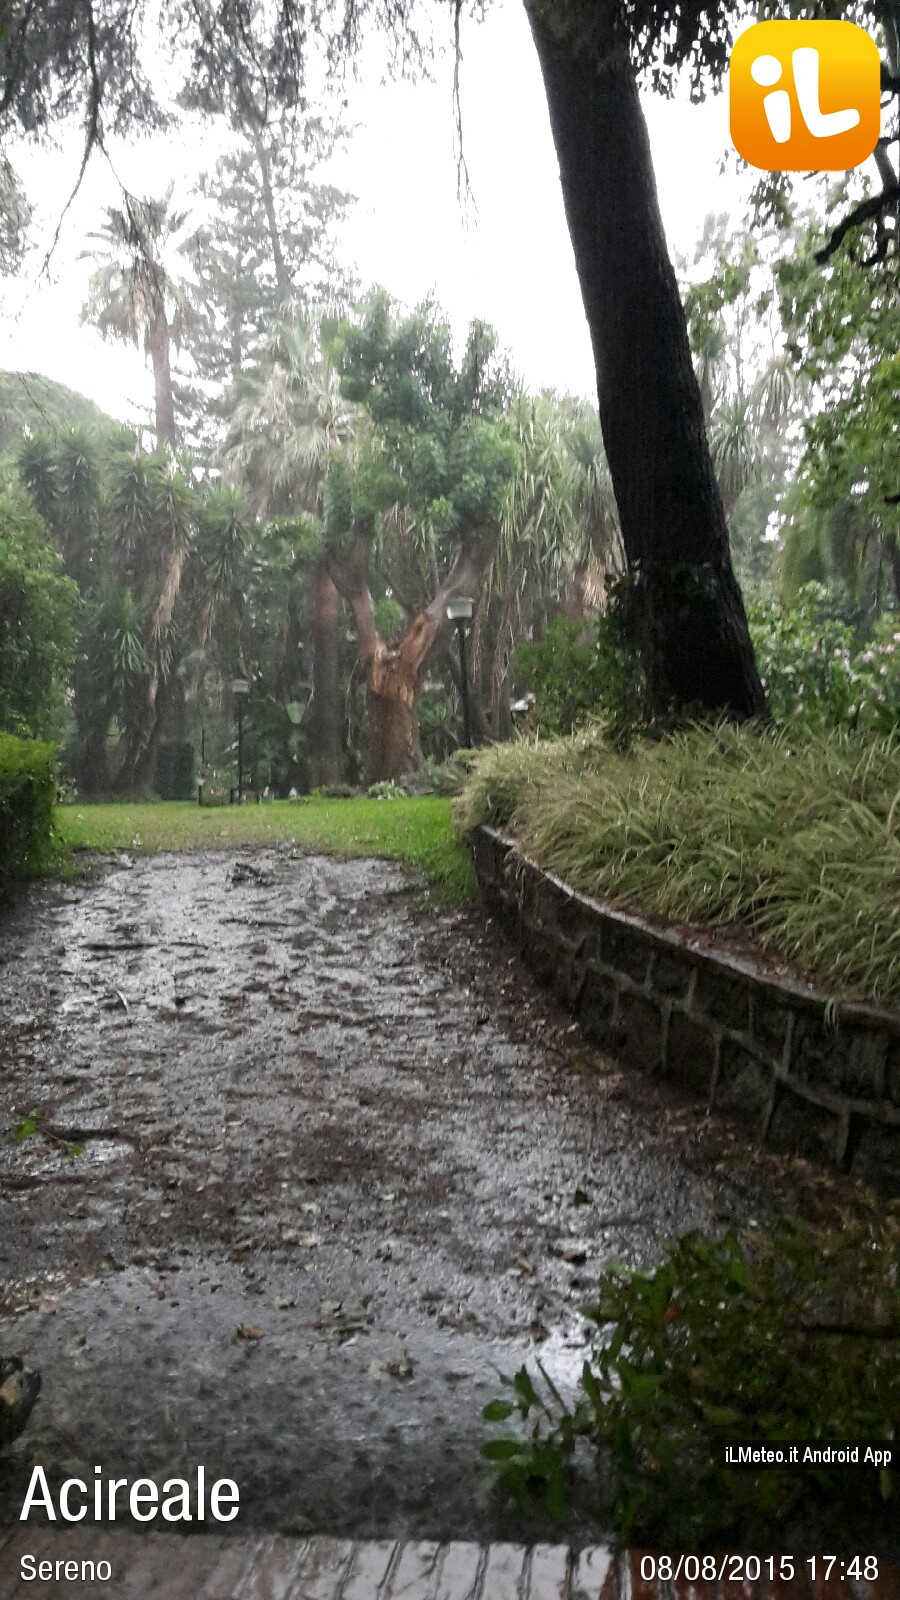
(315, 1111)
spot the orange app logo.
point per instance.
(805, 96)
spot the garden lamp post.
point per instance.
(240, 688)
(460, 612)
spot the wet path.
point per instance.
(340, 1164)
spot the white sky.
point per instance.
(509, 262)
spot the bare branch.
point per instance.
(875, 206)
(93, 130)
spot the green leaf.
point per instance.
(498, 1411)
(502, 1449)
(30, 1124)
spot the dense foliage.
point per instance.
(27, 798)
(37, 627)
(781, 1334)
(792, 838)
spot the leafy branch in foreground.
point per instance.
(791, 1334)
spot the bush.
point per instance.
(819, 670)
(37, 609)
(797, 839)
(27, 797)
(576, 673)
(565, 675)
(785, 1335)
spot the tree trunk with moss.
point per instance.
(691, 624)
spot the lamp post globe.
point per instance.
(240, 689)
(460, 612)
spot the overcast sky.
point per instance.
(509, 261)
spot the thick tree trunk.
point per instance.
(323, 714)
(392, 719)
(91, 770)
(395, 669)
(696, 648)
(162, 379)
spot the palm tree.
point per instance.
(135, 296)
(288, 419)
(559, 543)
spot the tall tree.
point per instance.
(287, 417)
(135, 294)
(696, 643)
(269, 239)
(420, 502)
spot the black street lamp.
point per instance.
(240, 688)
(460, 612)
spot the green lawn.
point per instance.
(419, 832)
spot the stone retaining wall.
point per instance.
(801, 1075)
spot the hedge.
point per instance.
(27, 797)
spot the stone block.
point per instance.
(568, 979)
(579, 925)
(598, 1008)
(670, 975)
(770, 1024)
(690, 1054)
(628, 949)
(744, 1084)
(838, 1057)
(800, 1127)
(723, 997)
(542, 954)
(640, 1032)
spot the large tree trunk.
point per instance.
(395, 669)
(696, 644)
(323, 714)
(162, 379)
(91, 769)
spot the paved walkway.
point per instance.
(166, 1567)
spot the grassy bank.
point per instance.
(795, 839)
(416, 831)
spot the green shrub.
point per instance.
(577, 672)
(786, 1335)
(564, 673)
(27, 797)
(795, 838)
(37, 609)
(820, 670)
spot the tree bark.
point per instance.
(323, 714)
(893, 544)
(282, 276)
(395, 669)
(696, 644)
(158, 340)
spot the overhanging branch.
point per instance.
(866, 211)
